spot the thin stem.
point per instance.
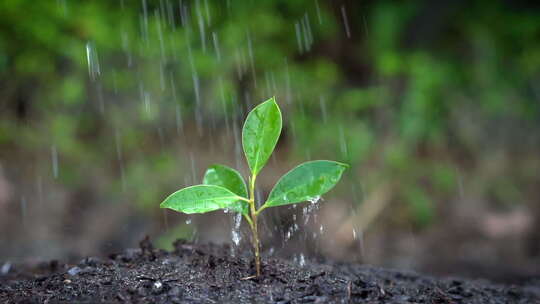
(248, 219)
(254, 224)
(261, 209)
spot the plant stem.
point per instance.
(254, 224)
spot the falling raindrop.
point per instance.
(170, 14)
(365, 25)
(126, 48)
(54, 161)
(306, 32)
(93, 62)
(297, 30)
(318, 9)
(183, 15)
(144, 23)
(216, 46)
(159, 31)
(345, 21)
(207, 11)
(200, 21)
(146, 101)
(239, 59)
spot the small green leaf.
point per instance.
(228, 178)
(261, 133)
(306, 182)
(202, 199)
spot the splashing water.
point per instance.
(302, 260)
(236, 229)
(308, 210)
(5, 268)
(314, 199)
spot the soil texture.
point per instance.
(194, 273)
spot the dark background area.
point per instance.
(108, 106)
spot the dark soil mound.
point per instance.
(208, 274)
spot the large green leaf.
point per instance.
(306, 182)
(228, 178)
(261, 133)
(201, 199)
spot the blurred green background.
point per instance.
(107, 106)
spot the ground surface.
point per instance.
(209, 274)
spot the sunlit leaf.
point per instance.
(261, 133)
(201, 199)
(228, 178)
(306, 182)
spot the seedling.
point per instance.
(224, 187)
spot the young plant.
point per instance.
(224, 187)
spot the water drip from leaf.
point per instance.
(236, 237)
(314, 199)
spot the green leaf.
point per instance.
(202, 199)
(261, 133)
(228, 178)
(306, 182)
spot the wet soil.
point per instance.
(209, 274)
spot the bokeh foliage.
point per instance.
(415, 93)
